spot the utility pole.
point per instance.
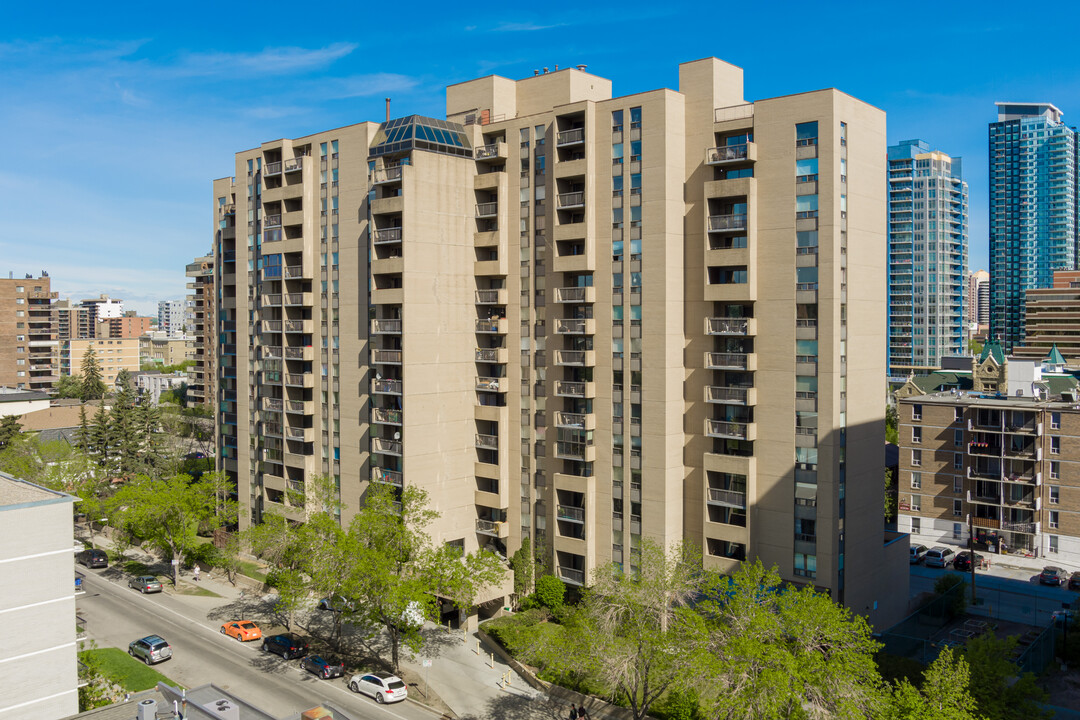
(971, 557)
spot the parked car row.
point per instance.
(941, 556)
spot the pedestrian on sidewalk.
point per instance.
(196, 572)
(582, 713)
(573, 712)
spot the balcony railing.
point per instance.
(386, 357)
(294, 299)
(487, 152)
(737, 361)
(487, 297)
(294, 271)
(571, 450)
(489, 384)
(388, 447)
(571, 200)
(386, 416)
(573, 295)
(487, 326)
(570, 389)
(298, 353)
(573, 326)
(487, 210)
(719, 394)
(570, 420)
(294, 164)
(570, 137)
(727, 498)
(271, 352)
(726, 326)
(726, 429)
(271, 221)
(384, 175)
(297, 379)
(719, 223)
(296, 326)
(572, 575)
(390, 477)
(276, 404)
(487, 355)
(572, 513)
(272, 168)
(386, 327)
(726, 153)
(388, 235)
(488, 527)
(487, 442)
(387, 386)
(273, 300)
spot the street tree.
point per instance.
(166, 512)
(397, 573)
(92, 386)
(68, 386)
(782, 652)
(942, 695)
(634, 634)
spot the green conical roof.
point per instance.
(1055, 357)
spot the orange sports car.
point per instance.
(241, 630)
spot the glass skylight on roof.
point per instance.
(416, 132)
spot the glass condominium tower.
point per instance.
(1033, 198)
(928, 255)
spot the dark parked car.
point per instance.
(93, 558)
(286, 645)
(1052, 575)
(963, 561)
(145, 584)
(150, 649)
(336, 603)
(322, 667)
(1074, 581)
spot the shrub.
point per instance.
(947, 585)
(678, 705)
(550, 592)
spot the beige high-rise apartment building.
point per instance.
(579, 319)
(28, 344)
(113, 355)
(201, 305)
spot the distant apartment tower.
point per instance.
(171, 317)
(978, 300)
(1033, 209)
(202, 327)
(579, 319)
(112, 354)
(97, 309)
(928, 257)
(128, 326)
(68, 317)
(28, 344)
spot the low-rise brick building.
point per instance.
(1002, 459)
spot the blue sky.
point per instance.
(119, 115)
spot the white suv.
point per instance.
(939, 557)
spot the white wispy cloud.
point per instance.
(270, 61)
(525, 27)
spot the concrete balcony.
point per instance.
(383, 176)
(299, 326)
(571, 576)
(726, 498)
(491, 326)
(386, 236)
(492, 528)
(386, 416)
(388, 477)
(300, 407)
(495, 267)
(566, 138)
(305, 299)
(386, 357)
(571, 200)
(386, 327)
(575, 358)
(575, 389)
(386, 386)
(300, 434)
(273, 404)
(730, 395)
(570, 513)
(730, 361)
(575, 295)
(272, 300)
(730, 326)
(727, 223)
(301, 352)
(730, 430)
(487, 210)
(582, 452)
(386, 447)
(487, 442)
(492, 355)
(271, 352)
(575, 326)
(575, 421)
(492, 153)
(293, 272)
(492, 384)
(491, 297)
(731, 154)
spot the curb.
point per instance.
(448, 714)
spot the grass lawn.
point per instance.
(136, 568)
(185, 589)
(126, 671)
(252, 571)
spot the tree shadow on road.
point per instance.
(512, 705)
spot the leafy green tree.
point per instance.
(635, 634)
(1000, 690)
(550, 592)
(524, 567)
(68, 386)
(167, 512)
(947, 585)
(781, 652)
(943, 694)
(892, 420)
(398, 573)
(10, 428)
(92, 386)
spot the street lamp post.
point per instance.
(971, 556)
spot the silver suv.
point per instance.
(150, 649)
(939, 556)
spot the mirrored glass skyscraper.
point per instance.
(1033, 199)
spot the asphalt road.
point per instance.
(1015, 598)
(115, 615)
